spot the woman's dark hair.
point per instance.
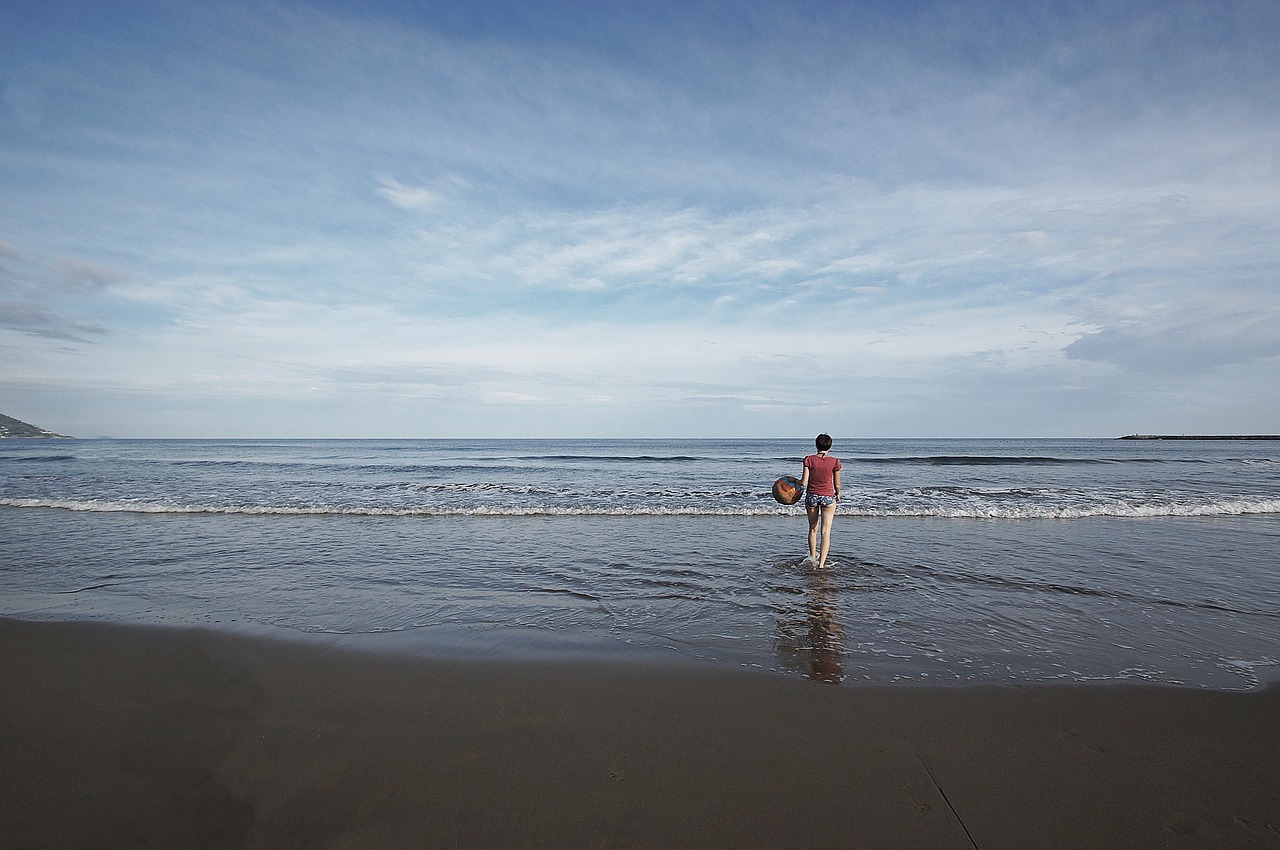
(823, 442)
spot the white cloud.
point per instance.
(1184, 341)
(409, 197)
(725, 225)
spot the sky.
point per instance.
(669, 219)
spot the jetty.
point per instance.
(1201, 437)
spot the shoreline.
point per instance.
(124, 735)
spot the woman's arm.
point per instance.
(836, 479)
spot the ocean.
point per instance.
(952, 561)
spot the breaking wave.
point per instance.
(1016, 511)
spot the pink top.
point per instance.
(822, 474)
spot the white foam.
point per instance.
(1230, 507)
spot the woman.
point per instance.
(821, 483)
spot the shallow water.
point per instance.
(954, 561)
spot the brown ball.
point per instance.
(787, 490)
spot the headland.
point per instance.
(11, 428)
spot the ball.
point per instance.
(787, 490)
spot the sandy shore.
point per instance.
(123, 737)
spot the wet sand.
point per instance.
(144, 737)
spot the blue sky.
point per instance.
(665, 219)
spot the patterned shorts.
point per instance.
(813, 500)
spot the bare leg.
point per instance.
(828, 516)
(814, 516)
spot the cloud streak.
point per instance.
(44, 297)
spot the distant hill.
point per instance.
(11, 428)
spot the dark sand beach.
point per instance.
(145, 737)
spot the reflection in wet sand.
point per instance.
(816, 638)
(826, 637)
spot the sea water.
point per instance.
(952, 561)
